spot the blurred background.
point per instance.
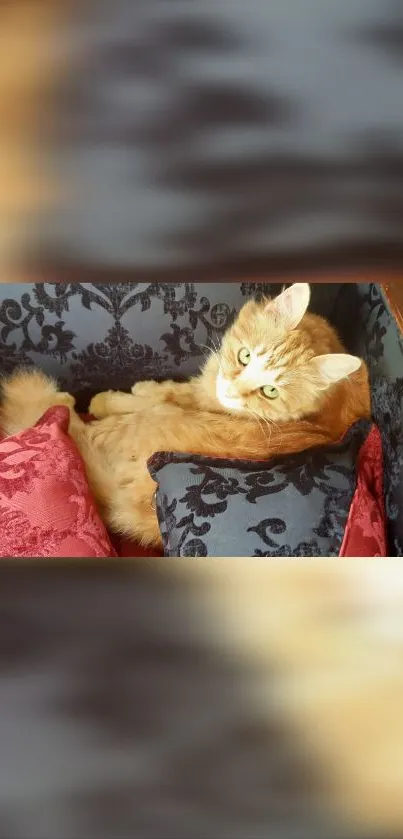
(219, 138)
(192, 699)
(167, 140)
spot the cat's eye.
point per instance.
(244, 356)
(269, 392)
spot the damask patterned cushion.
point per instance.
(323, 502)
(95, 336)
(46, 509)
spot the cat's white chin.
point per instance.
(229, 402)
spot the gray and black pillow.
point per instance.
(294, 505)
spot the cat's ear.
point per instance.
(290, 306)
(333, 367)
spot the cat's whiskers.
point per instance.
(277, 426)
(210, 350)
(256, 416)
(216, 345)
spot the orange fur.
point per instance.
(310, 410)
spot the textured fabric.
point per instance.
(46, 509)
(378, 339)
(296, 505)
(224, 135)
(93, 337)
(365, 533)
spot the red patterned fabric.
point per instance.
(46, 508)
(365, 533)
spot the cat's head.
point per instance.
(276, 361)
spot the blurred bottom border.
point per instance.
(201, 698)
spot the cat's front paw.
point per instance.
(99, 405)
(64, 398)
(146, 389)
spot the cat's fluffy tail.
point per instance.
(25, 396)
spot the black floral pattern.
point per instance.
(93, 337)
(96, 336)
(103, 363)
(213, 485)
(168, 522)
(292, 506)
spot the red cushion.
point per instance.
(46, 508)
(365, 533)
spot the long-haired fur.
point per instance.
(295, 357)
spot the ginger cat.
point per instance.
(280, 383)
